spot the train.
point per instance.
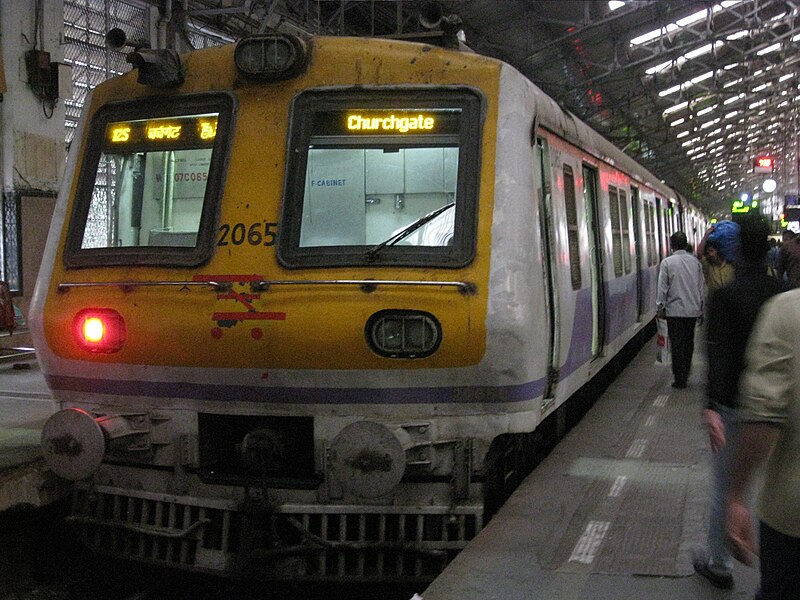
(311, 306)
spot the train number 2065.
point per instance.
(261, 233)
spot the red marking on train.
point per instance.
(239, 297)
(243, 298)
(257, 333)
(216, 333)
(248, 316)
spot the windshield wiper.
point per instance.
(372, 253)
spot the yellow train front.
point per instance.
(263, 308)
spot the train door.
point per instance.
(637, 252)
(592, 203)
(548, 240)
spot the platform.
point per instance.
(25, 404)
(614, 512)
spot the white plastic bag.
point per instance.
(663, 354)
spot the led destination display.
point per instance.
(191, 131)
(400, 122)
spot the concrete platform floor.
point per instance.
(25, 404)
(615, 511)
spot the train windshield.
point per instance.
(144, 191)
(379, 180)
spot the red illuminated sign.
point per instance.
(764, 164)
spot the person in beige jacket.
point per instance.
(769, 413)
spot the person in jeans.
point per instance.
(769, 417)
(680, 300)
(731, 313)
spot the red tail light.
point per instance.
(99, 330)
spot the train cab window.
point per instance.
(384, 177)
(148, 190)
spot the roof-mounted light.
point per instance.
(272, 57)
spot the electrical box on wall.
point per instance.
(48, 80)
(37, 65)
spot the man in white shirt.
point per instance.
(681, 289)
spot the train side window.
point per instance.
(650, 234)
(624, 232)
(149, 187)
(382, 177)
(616, 230)
(572, 227)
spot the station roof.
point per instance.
(693, 90)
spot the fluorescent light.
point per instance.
(768, 49)
(660, 67)
(703, 77)
(651, 35)
(737, 35)
(693, 18)
(615, 4)
(668, 91)
(675, 108)
(700, 51)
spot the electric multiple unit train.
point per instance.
(310, 306)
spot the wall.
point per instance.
(32, 153)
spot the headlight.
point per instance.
(403, 333)
(273, 57)
(99, 330)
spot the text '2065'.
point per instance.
(261, 233)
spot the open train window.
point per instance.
(382, 176)
(148, 191)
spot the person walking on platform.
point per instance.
(769, 416)
(680, 301)
(732, 310)
(717, 271)
(789, 258)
